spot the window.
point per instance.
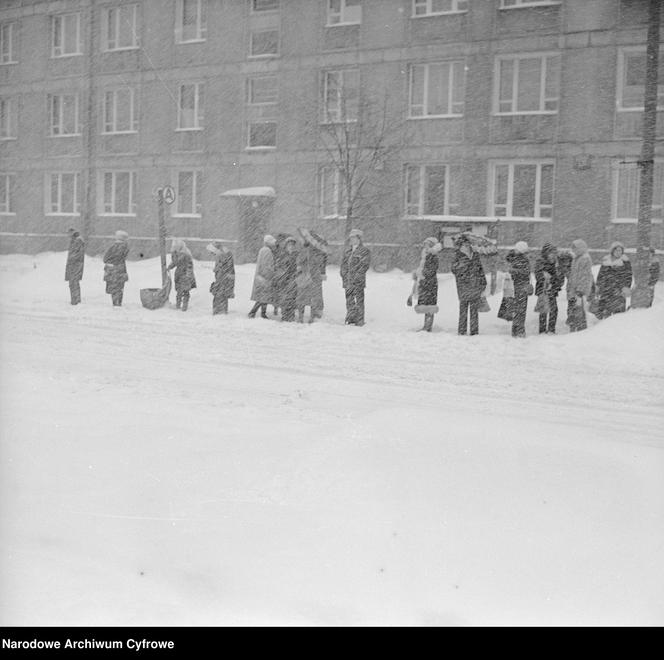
(117, 194)
(632, 79)
(120, 113)
(437, 89)
(7, 45)
(262, 134)
(341, 95)
(522, 190)
(65, 35)
(188, 200)
(437, 7)
(264, 5)
(62, 190)
(432, 190)
(626, 181)
(264, 43)
(527, 84)
(120, 27)
(7, 121)
(191, 22)
(190, 107)
(333, 202)
(63, 112)
(7, 194)
(344, 12)
(509, 4)
(262, 90)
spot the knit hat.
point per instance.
(548, 247)
(268, 239)
(521, 247)
(431, 240)
(356, 232)
(121, 235)
(290, 239)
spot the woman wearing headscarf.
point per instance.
(223, 286)
(262, 292)
(614, 281)
(183, 279)
(579, 285)
(426, 276)
(115, 267)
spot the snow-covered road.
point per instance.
(161, 468)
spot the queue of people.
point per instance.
(290, 272)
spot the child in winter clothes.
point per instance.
(579, 285)
(614, 281)
(183, 279)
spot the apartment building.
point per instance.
(520, 118)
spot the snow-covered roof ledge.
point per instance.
(258, 191)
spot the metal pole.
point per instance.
(641, 295)
(162, 234)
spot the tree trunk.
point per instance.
(641, 295)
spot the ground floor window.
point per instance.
(118, 193)
(626, 182)
(62, 190)
(262, 135)
(432, 190)
(188, 196)
(522, 190)
(333, 201)
(7, 194)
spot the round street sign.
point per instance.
(169, 194)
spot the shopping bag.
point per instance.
(484, 305)
(542, 306)
(506, 310)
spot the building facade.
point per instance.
(521, 118)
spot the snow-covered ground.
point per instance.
(168, 468)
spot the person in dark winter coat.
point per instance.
(470, 283)
(548, 283)
(318, 256)
(183, 279)
(223, 286)
(580, 283)
(74, 267)
(653, 274)
(115, 267)
(284, 280)
(304, 281)
(262, 292)
(353, 270)
(519, 269)
(614, 281)
(427, 282)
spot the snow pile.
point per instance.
(169, 468)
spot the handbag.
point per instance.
(506, 311)
(508, 286)
(542, 306)
(529, 289)
(484, 305)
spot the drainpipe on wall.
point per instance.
(90, 197)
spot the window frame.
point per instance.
(199, 108)
(509, 204)
(77, 112)
(425, 94)
(253, 10)
(429, 12)
(524, 4)
(340, 199)
(633, 166)
(10, 118)
(623, 53)
(421, 215)
(48, 194)
(342, 11)
(196, 191)
(12, 25)
(106, 22)
(133, 180)
(259, 56)
(7, 206)
(261, 147)
(134, 111)
(201, 25)
(326, 118)
(61, 17)
(250, 81)
(517, 57)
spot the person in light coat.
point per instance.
(115, 267)
(262, 292)
(579, 285)
(74, 266)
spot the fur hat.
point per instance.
(356, 232)
(521, 247)
(579, 245)
(431, 240)
(268, 239)
(121, 235)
